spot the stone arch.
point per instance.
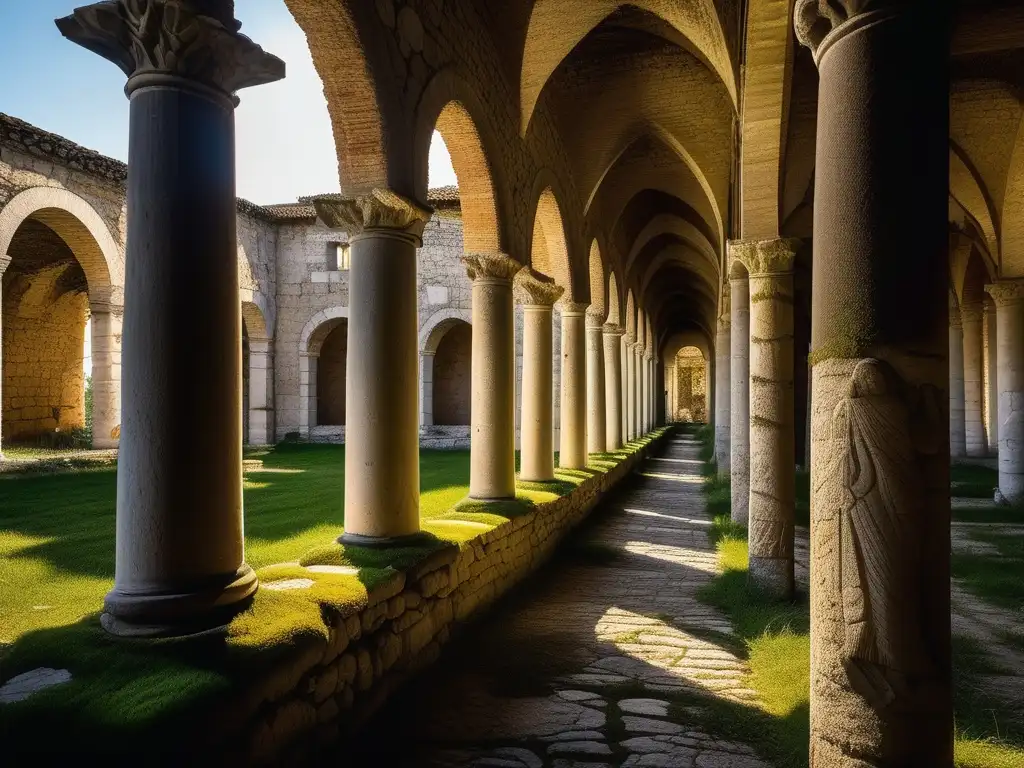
(598, 304)
(453, 109)
(254, 317)
(630, 316)
(79, 225)
(552, 34)
(968, 191)
(549, 253)
(316, 332)
(614, 314)
(737, 269)
(438, 324)
(59, 292)
(688, 392)
(1012, 250)
(363, 94)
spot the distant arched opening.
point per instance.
(453, 376)
(330, 375)
(688, 397)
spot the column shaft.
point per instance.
(613, 387)
(492, 448)
(537, 460)
(645, 395)
(723, 396)
(1009, 300)
(572, 452)
(974, 424)
(880, 542)
(638, 384)
(5, 261)
(991, 380)
(772, 437)
(596, 402)
(631, 391)
(957, 421)
(739, 399)
(261, 392)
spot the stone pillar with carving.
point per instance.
(612, 336)
(492, 445)
(972, 319)
(1008, 296)
(106, 319)
(739, 397)
(772, 501)
(991, 378)
(957, 420)
(596, 405)
(180, 564)
(5, 262)
(261, 391)
(572, 451)
(880, 517)
(538, 295)
(382, 450)
(723, 405)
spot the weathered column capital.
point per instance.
(381, 210)
(611, 329)
(595, 317)
(535, 290)
(971, 313)
(493, 267)
(571, 308)
(765, 257)
(1006, 292)
(5, 262)
(185, 43)
(820, 23)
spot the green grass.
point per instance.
(988, 514)
(972, 481)
(775, 640)
(997, 580)
(56, 544)
(57, 532)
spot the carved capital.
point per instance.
(379, 210)
(971, 313)
(192, 42)
(1006, 292)
(765, 257)
(819, 23)
(572, 307)
(611, 329)
(5, 262)
(534, 289)
(495, 267)
(595, 317)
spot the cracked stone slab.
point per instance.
(579, 748)
(648, 707)
(26, 684)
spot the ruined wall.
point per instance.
(691, 386)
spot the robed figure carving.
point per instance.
(884, 428)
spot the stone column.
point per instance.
(597, 438)
(261, 392)
(106, 321)
(572, 451)
(180, 563)
(427, 388)
(880, 610)
(612, 336)
(991, 379)
(974, 424)
(5, 262)
(671, 394)
(309, 365)
(638, 383)
(492, 458)
(957, 421)
(772, 457)
(382, 447)
(1008, 296)
(624, 356)
(537, 456)
(723, 397)
(645, 393)
(631, 390)
(739, 398)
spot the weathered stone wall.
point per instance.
(315, 694)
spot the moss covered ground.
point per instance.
(776, 643)
(56, 563)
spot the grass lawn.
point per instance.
(997, 580)
(57, 531)
(971, 481)
(775, 641)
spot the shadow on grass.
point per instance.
(973, 481)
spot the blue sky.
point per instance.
(284, 140)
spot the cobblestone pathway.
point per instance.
(607, 660)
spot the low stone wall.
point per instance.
(315, 697)
(436, 437)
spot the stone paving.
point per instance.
(607, 660)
